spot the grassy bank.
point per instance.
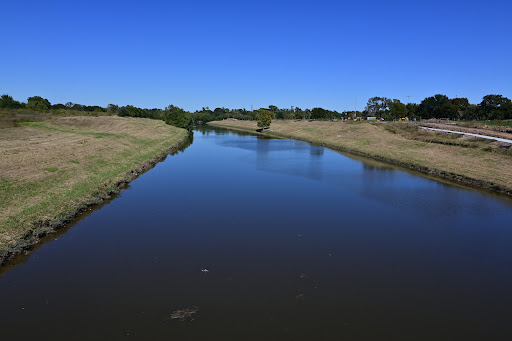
(54, 168)
(470, 161)
(495, 123)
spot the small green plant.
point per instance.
(74, 161)
(264, 118)
(51, 169)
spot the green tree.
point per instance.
(38, 103)
(58, 106)
(432, 107)
(397, 109)
(496, 107)
(378, 107)
(264, 118)
(299, 114)
(450, 110)
(178, 117)
(123, 111)
(112, 108)
(412, 110)
(8, 102)
(273, 108)
(462, 107)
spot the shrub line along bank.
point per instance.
(429, 171)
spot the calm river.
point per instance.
(268, 239)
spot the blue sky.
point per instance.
(241, 53)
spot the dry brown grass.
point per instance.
(48, 167)
(478, 160)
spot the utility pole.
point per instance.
(251, 108)
(355, 107)
(408, 99)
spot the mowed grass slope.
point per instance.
(455, 157)
(49, 168)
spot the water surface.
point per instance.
(300, 243)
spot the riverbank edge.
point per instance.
(455, 178)
(105, 191)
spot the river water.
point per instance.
(269, 239)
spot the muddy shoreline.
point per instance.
(104, 193)
(434, 173)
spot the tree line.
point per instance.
(492, 107)
(171, 114)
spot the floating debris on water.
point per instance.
(186, 314)
(303, 275)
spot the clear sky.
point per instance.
(241, 53)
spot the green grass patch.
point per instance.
(51, 169)
(363, 143)
(494, 123)
(32, 124)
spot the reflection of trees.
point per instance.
(372, 167)
(315, 170)
(262, 151)
(262, 146)
(185, 145)
(316, 152)
(368, 167)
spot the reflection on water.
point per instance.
(266, 239)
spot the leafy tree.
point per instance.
(220, 111)
(461, 106)
(112, 108)
(450, 110)
(432, 107)
(38, 103)
(264, 118)
(202, 117)
(273, 108)
(319, 113)
(496, 107)
(58, 106)
(8, 102)
(132, 111)
(397, 109)
(78, 107)
(473, 112)
(299, 114)
(123, 112)
(178, 117)
(378, 107)
(412, 110)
